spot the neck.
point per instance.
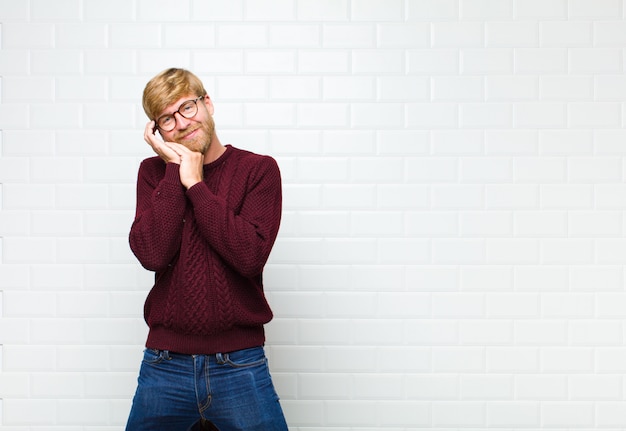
(215, 150)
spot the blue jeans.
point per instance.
(232, 390)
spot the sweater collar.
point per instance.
(228, 149)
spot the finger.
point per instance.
(162, 149)
(150, 129)
(149, 134)
(178, 147)
(171, 147)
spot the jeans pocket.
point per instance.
(245, 358)
(152, 356)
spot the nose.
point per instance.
(181, 122)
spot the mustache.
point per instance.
(187, 131)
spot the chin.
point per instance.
(198, 146)
(198, 143)
(201, 141)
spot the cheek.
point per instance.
(166, 136)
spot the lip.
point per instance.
(190, 134)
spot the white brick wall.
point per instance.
(452, 250)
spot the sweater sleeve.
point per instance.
(244, 239)
(156, 232)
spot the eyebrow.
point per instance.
(176, 110)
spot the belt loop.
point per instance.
(165, 354)
(220, 358)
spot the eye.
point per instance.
(165, 121)
(188, 107)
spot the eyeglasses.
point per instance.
(188, 109)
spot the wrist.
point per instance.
(191, 184)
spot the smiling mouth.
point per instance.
(189, 135)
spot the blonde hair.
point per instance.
(167, 87)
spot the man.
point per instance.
(206, 219)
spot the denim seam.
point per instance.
(202, 407)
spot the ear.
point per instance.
(209, 104)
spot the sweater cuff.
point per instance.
(172, 174)
(198, 192)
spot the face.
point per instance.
(195, 133)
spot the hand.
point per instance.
(158, 145)
(191, 164)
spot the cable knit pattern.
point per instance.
(224, 303)
(207, 246)
(194, 291)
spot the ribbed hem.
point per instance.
(236, 339)
(172, 173)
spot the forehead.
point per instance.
(173, 107)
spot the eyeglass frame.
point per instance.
(195, 103)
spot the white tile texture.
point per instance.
(454, 237)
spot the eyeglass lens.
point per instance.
(188, 109)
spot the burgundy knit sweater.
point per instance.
(207, 246)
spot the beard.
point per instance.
(201, 141)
